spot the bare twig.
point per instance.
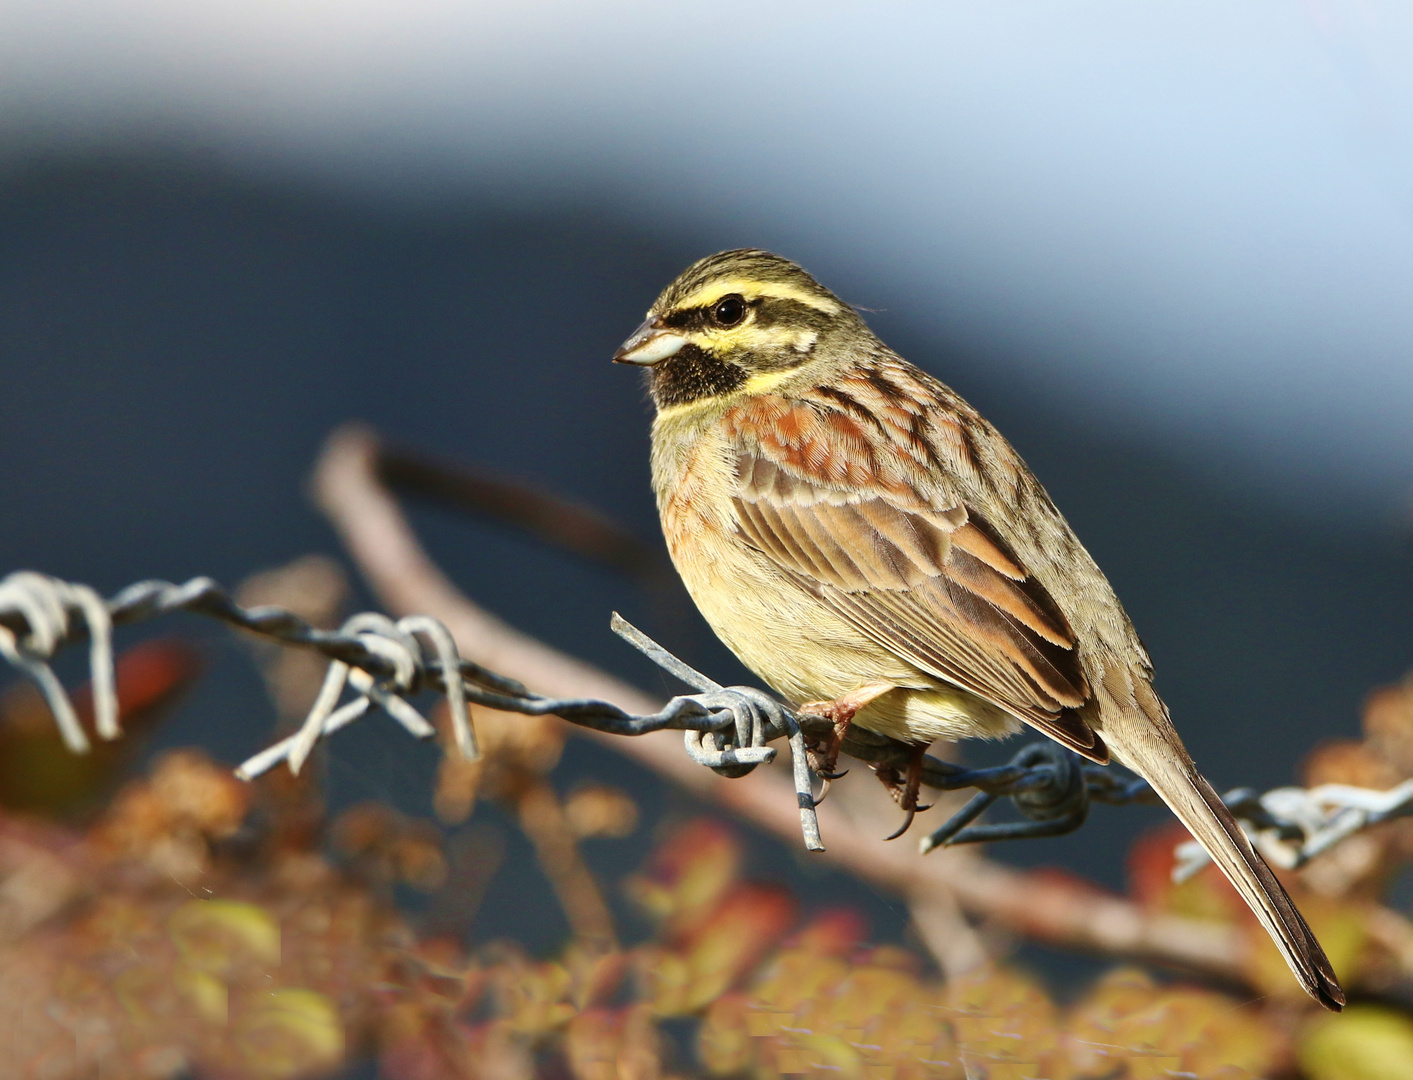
(541, 816)
(726, 729)
(402, 576)
(572, 526)
(381, 654)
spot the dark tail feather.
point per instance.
(1197, 806)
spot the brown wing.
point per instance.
(919, 573)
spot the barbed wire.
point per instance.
(1291, 825)
(725, 728)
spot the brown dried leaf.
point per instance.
(601, 810)
(38, 772)
(1388, 722)
(386, 846)
(613, 1044)
(719, 951)
(687, 876)
(1344, 761)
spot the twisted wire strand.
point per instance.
(47, 607)
(1291, 825)
(384, 662)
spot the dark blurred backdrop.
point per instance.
(184, 317)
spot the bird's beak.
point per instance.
(651, 343)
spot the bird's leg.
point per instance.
(905, 788)
(840, 712)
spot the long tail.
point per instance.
(1174, 777)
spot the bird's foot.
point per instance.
(904, 787)
(824, 754)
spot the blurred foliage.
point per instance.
(37, 775)
(198, 927)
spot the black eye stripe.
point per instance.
(769, 311)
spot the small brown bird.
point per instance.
(872, 548)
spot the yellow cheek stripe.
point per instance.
(750, 336)
(756, 384)
(765, 383)
(674, 412)
(751, 289)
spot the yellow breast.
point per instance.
(799, 647)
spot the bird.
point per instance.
(877, 552)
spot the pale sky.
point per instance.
(1194, 219)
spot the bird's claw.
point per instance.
(904, 789)
(904, 827)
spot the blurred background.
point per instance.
(1167, 249)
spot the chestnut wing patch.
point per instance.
(936, 587)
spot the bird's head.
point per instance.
(738, 321)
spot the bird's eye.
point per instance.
(729, 310)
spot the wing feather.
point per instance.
(927, 579)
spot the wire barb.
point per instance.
(1291, 825)
(756, 719)
(727, 729)
(47, 608)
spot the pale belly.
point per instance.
(805, 652)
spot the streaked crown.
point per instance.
(749, 272)
(728, 321)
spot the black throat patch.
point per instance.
(691, 375)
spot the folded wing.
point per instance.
(934, 584)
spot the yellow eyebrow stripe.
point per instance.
(752, 290)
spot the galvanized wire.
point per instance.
(1291, 825)
(727, 729)
(383, 661)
